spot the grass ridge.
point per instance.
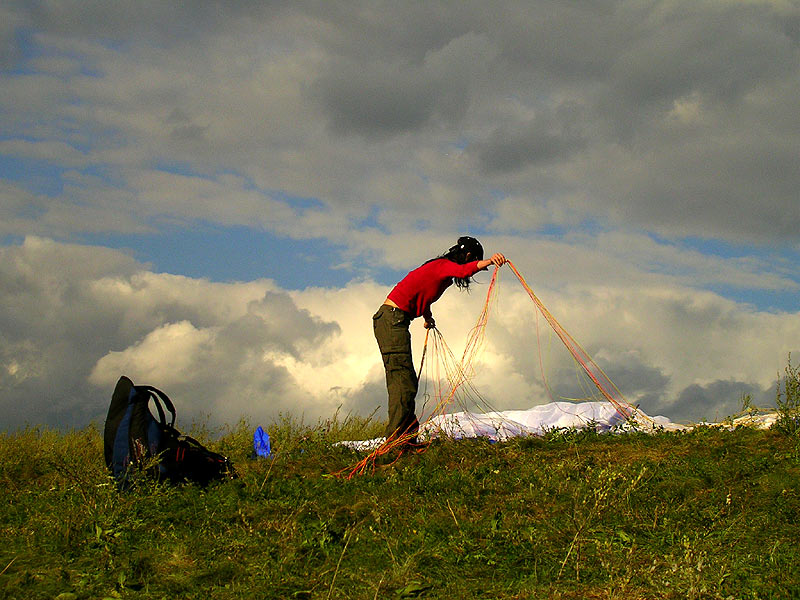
(709, 513)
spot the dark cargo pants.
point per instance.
(394, 340)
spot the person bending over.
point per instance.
(411, 298)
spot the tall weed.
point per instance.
(787, 401)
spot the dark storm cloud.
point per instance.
(716, 401)
(547, 139)
(167, 21)
(9, 44)
(275, 319)
(641, 384)
(381, 101)
(74, 318)
(677, 117)
(387, 97)
(721, 50)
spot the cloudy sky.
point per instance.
(215, 197)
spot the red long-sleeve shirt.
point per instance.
(424, 285)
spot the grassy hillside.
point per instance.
(706, 514)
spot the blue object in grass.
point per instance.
(261, 445)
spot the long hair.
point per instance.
(458, 254)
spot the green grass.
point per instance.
(706, 514)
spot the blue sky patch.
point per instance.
(36, 176)
(238, 253)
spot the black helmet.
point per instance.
(467, 245)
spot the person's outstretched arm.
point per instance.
(497, 260)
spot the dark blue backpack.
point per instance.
(135, 440)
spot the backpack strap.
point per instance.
(160, 397)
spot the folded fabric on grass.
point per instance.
(499, 426)
(502, 425)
